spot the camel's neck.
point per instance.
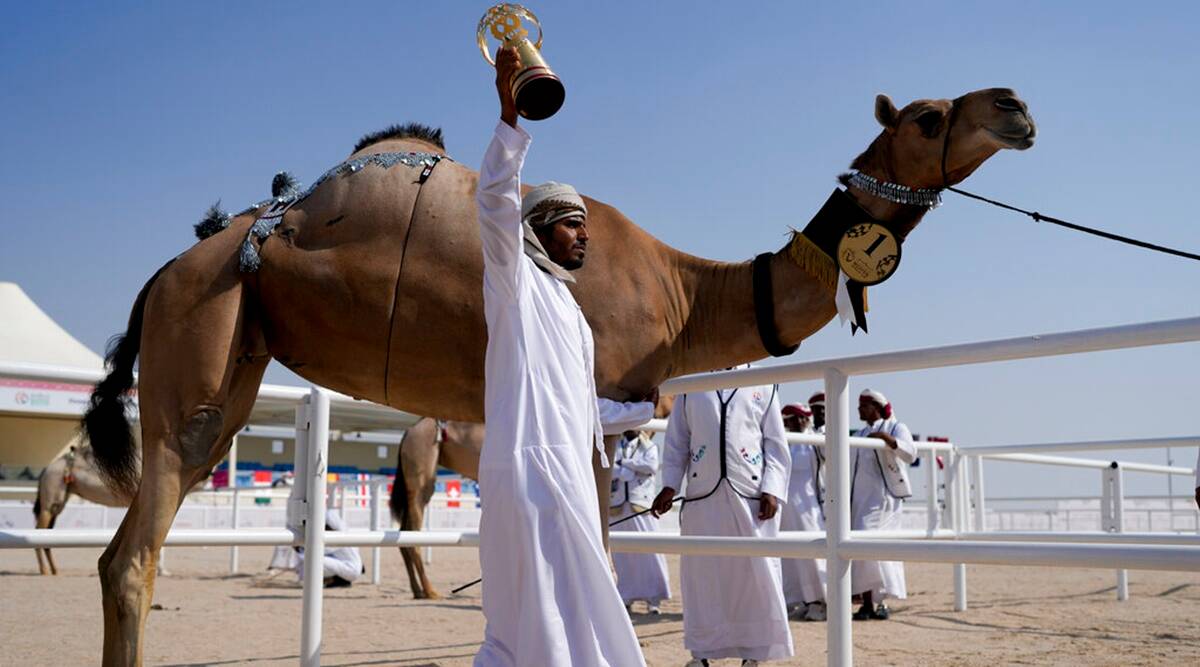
(717, 327)
(714, 309)
(877, 162)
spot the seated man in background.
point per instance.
(342, 564)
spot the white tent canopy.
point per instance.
(30, 335)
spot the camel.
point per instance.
(370, 284)
(75, 472)
(428, 444)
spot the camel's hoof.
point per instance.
(433, 595)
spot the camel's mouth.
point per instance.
(1019, 139)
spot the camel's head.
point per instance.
(967, 131)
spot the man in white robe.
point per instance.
(548, 593)
(639, 576)
(803, 578)
(343, 565)
(878, 486)
(730, 447)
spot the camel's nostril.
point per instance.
(1009, 104)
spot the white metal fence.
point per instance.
(963, 518)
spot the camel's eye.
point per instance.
(929, 122)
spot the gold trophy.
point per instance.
(537, 90)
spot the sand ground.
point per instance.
(1034, 616)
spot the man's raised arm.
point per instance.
(499, 191)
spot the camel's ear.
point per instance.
(885, 112)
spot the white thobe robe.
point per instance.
(344, 562)
(874, 507)
(732, 606)
(639, 576)
(548, 594)
(803, 578)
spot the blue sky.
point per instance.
(713, 126)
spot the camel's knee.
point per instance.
(122, 584)
(198, 436)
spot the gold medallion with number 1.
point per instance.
(868, 253)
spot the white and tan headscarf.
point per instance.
(545, 205)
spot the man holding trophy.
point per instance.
(548, 593)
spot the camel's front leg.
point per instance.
(604, 482)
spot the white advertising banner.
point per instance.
(39, 397)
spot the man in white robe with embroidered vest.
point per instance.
(730, 447)
(878, 486)
(548, 593)
(803, 578)
(639, 576)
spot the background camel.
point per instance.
(74, 472)
(425, 446)
(346, 289)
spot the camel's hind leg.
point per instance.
(52, 496)
(413, 562)
(45, 519)
(202, 362)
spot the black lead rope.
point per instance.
(1079, 228)
(1038, 217)
(631, 516)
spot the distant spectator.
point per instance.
(639, 576)
(803, 578)
(878, 486)
(816, 403)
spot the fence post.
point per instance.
(931, 492)
(298, 495)
(376, 492)
(233, 464)
(233, 551)
(977, 478)
(957, 499)
(839, 649)
(964, 506)
(1118, 499)
(314, 527)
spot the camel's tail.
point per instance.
(398, 502)
(106, 421)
